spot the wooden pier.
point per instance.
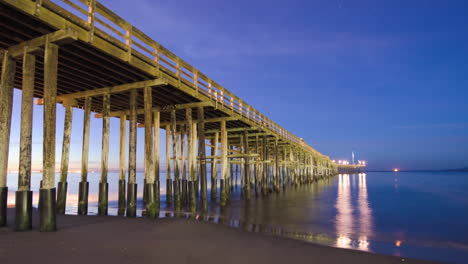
(79, 54)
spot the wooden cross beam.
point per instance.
(59, 37)
(113, 89)
(210, 120)
(249, 135)
(238, 129)
(67, 98)
(160, 109)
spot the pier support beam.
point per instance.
(122, 170)
(63, 184)
(103, 185)
(6, 100)
(265, 185)
(276, 173)
(214, 167)
(247, 185)
(149, 167)
(156, 149)
(168, 167)
(224, 162)
(191, 159)
(175, 153)
(183, 156)
(257, 169)
(132, 186)
(84, 184)
(47, 202)
(23, 217)
(202, 158)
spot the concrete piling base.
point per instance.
(23, 219)
(61, 197)
(169, 192)
(47, 210)
(121, 210)
(184, 192)
(3, 205)
(83, 192)
(131, 199)
(103, 202)
(150, 205)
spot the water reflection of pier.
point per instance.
(353, 223)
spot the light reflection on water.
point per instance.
(420, 215)
(347, 220)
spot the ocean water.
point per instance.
(408, 214)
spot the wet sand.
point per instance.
(112, 239)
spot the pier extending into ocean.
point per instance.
(79, 54)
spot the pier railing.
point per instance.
(97, 19)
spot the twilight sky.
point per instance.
(387, 79)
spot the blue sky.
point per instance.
(387, 79)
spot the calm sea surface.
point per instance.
(408, 214)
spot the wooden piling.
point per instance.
(122, 169)
(6, 101)
(276, 167)
(156, 149)
(175, 153)
(265, 167)
(183, 156)
(202, 158)
(214, 167)
(246, 186)
(168, 167)
(191, 159)
(257, 169)
(47, 198)
(149, 167)
(84, 184)
(23, 203)
(224, 162)
(132, 186)
(103, 185)
(63, 184)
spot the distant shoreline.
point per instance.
(448, 170)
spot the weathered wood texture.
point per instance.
(24, 174)
(50, 92)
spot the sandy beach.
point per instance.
(112, 239)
